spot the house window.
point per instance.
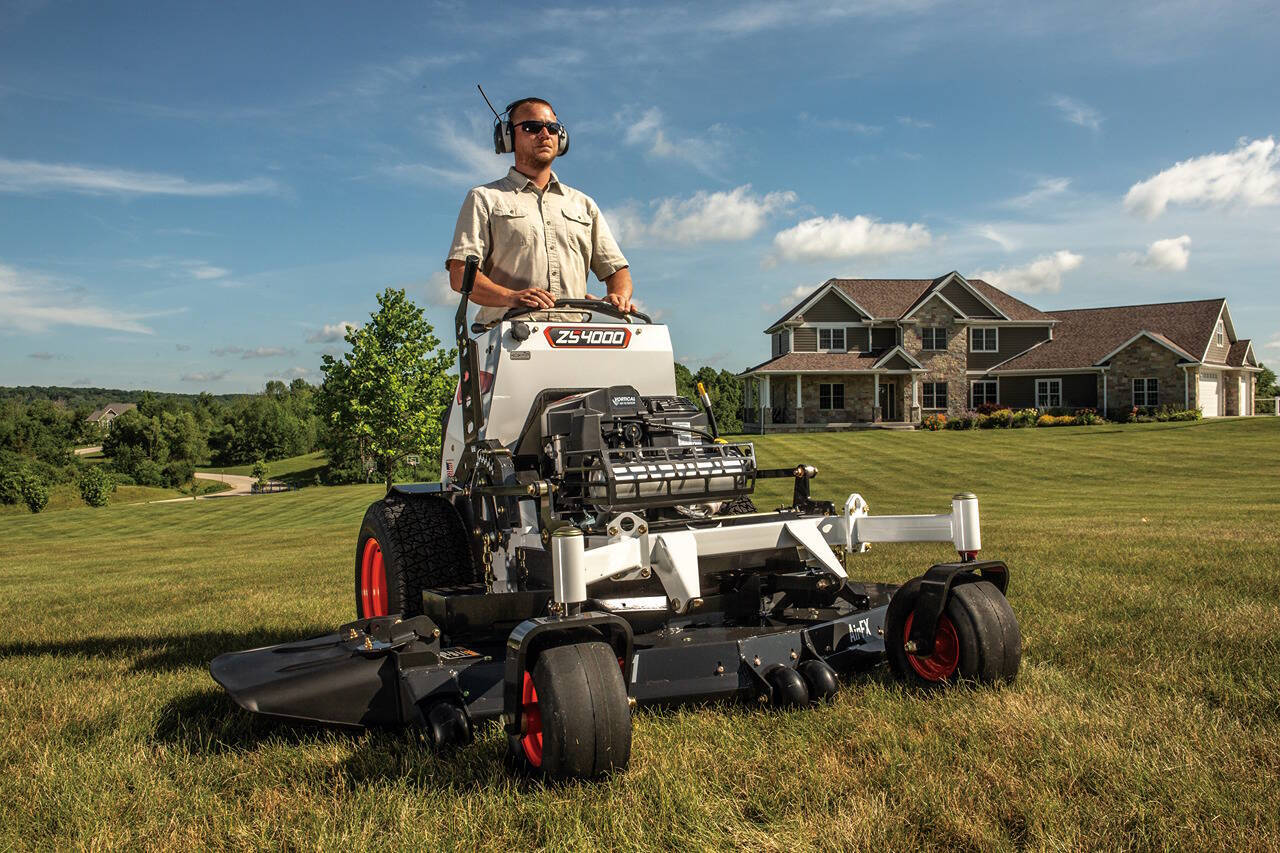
(933, 337)
(1219, 335)
(984, 339)
(983, 391)
(1145, 392)
(1048, 393)
(933, 395)
(831, 340)
(831, 395)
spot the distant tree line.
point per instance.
(160, 443)
(723, 388)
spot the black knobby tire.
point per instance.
(978, 638)
(738, 506)
(584, 719)
(422, 544)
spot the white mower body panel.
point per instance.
(557, 355)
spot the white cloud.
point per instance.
(908, 121)
(823, 238)
(1274, 343)
(206, 376)
(1170, 254)
(32, 303)
(331, 332)
(788, 299)
(1045, 188)
(1002, 240)
(842, 125)
(256, 352)
(205, 273)
(737, 214)
(439, 291)
(1043, 275)
(707, 153)
(29, 176)
(44, 356)
(291, 373)
(465, 159)
(1248, 176)
(1076, 112)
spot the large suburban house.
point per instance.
(108, 413)
(883, 351)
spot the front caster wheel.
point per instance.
(575, 714)
(820, 678)
(447, 726)
(977, 638)
(789, 689)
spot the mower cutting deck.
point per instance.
(591, 547)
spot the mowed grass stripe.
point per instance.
(1147, 713)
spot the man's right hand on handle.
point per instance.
(532, 298)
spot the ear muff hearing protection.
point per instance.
(504, 134)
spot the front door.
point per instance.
(888, 401)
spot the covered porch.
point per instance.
(810, 402)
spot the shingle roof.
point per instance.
(1235, 358)
(815, 362)
(1086, 335)
(115, 408)
(891, 298)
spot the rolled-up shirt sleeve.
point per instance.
(471, 234)
(606, 256)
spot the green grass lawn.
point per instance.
(296, 470)
(67, 496)
(1147, 713)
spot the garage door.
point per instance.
(1210, 406)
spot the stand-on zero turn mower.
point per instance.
(592, 546)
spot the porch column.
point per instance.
(1104, 393)
(799, 403)
(875, 399)
(766, 405)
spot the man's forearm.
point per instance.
(619, 284)
(485, 291)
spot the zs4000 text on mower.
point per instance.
(591, 546)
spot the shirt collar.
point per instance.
(519, 181)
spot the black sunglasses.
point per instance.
(533, 128)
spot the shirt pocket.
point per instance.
(511, 227)
(577, 230)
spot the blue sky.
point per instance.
(196, 196)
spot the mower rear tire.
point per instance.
(408, 543)
(577, 719)
(977, 639)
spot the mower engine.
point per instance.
(613, 449)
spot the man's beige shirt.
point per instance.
(526, 238)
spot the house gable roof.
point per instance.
(828, 286)
(935, 289)
(1241, 354)
(1154, 336)
(904, 356)
(113, 409)
(1086, 337)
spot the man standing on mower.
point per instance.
(536, 237)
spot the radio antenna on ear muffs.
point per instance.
(486, 100)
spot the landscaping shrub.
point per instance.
(1089, 417)
(177, 473)
(992, 408)
(998, 419)
(148, 473)
(1023, 418)
(966, 421)
(934, 422)
(1186, 415)
(259, 471)
(35, 494)
(96, 486)
(1055, 420)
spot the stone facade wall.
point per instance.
(859, 402)
(1145, 358)
(941, 365)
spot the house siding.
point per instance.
(855, 338)
(805, 339)
(1218, 354)
(1079, 390)
(831, 309)
(884, 337)
(1013, 340)
(960, 297)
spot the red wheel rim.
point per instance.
(373, 580)
(531, 741)
(942, 664)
